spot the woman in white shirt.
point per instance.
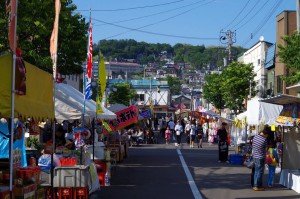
(178, 132)
(192, 135)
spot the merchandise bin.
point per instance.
(236, 159)
(75, 176)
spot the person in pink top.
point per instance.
(167, 135)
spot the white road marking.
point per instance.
(188, 174)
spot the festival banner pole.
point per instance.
(12, 8)
(53, 53)
(87, 77)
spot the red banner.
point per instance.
(11, 10)
(125, 117)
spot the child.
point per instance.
(167, 135)
(272, 161)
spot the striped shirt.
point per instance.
(259, 147)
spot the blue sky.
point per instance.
(195, 22)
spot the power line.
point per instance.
(138, 29)
(238, 14)
(158, 13)
(266, 19)
(253, 7)
(153, 33)
(255, 14)
(133, 8)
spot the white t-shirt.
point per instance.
(193, 129)
(178, 129)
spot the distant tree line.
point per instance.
(199, 57)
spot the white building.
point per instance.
(256, 56)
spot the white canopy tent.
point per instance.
(117, 107)
(260, 112)
(69, 103)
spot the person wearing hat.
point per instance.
(223, 143)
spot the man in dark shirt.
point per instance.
(223, 143)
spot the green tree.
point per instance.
(235, 84)
(231, 87)
(174, 84)
(121, 94)
(212, 91)
(34, 28)
(289, 54)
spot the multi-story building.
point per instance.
(151, 94)
(256, 55)
(286, 24)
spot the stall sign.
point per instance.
(145, 113)
(125, 117)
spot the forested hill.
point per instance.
(143, 53)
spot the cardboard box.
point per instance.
(25, 192)
(40, 193)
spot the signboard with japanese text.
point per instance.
(125, 117)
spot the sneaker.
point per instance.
(219, 161)
(176, 144)
(227, 161)
(258, 188)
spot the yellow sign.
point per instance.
(101, 83)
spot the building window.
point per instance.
(258, 62)
(142, 97)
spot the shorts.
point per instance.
(193, 137)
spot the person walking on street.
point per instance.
(199, 134)
(259, 146)
(187, 131)
(168, 135)
(192, 135)
(178, 130)
(223, 143)
(272, 162)
(171, 126)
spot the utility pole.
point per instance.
(228, 38)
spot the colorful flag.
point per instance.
(11, 10)
(107, 127)
(89, 66)
(54, 38)
(101, 83)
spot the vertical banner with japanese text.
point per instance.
(89, 66)
(101, 83)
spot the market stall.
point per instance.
(289, 120)
(34, 102)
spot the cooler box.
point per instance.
(75, 176)
(236, 159)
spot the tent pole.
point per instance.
(11, 151)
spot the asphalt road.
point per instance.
(160, 171)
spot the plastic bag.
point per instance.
(249, 163)
(277, 170)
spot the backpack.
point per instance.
(270, 159)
